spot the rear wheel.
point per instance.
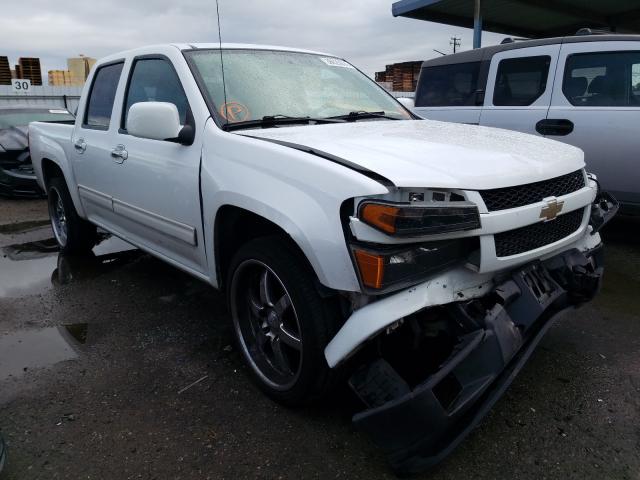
(280, 321)
(73, 234)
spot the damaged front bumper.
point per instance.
(419, 425)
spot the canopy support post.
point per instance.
(477, 25)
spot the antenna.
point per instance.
(224, 83)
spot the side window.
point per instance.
(521, 81)
(448, 85)
(102, 95)
(603, 79)
(155, 80)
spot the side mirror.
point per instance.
(154, 120)
(407, 102)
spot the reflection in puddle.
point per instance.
(28, 349)
(30, 268)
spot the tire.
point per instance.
(281, 340)
(73, 234)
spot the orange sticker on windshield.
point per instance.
(234, 112)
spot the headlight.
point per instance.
(383, 269)
(403, 220)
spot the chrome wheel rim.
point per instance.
(58, 217)
(267, 324)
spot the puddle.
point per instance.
(28, 349)
(25, 272)
(31, 268)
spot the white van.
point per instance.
(583, 90)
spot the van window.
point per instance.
(155, 80)
(521, 81)
(103, 93)
(448, 85)
(603, 79)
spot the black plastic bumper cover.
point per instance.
(19, 184)
(420, 427)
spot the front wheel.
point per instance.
(72, 233)
(280, 321)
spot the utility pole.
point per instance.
(455, 42)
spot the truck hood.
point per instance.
(426, 153)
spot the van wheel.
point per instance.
(73, 234)
(281, 323)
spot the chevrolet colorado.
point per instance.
(419, 261)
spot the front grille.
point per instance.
(537, 235)
(512, 197)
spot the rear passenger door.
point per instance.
(519, 88)
(597, 92)
(451, 92)
(92, 140)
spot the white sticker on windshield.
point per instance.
(336, 62)
(58, 111)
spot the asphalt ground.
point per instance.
(119, 366)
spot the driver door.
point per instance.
(157, 182)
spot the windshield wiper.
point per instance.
(273, 120)
(360, 114)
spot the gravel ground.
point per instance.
(143, 382)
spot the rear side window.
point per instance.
(521, 81)
(102, 95)
(603, 79)
(448, 85)
(155, 80)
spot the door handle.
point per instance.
(80, 145)
(557, 127)
(119, 154)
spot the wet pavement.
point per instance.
(119, 366)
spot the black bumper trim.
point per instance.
(18, 184)
(417, 463)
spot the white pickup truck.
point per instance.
(420, 261)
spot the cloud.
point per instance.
(363, 31)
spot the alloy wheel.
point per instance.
(266, 323)
(58, 217)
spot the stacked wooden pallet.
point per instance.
(402, 76)
(5, 71)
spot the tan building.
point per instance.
(79, 68)
(60, 78)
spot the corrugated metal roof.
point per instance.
(528, 18)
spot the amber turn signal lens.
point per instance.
(371, 268)
(380, 216)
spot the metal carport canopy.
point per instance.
(528, 18)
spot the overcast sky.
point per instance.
(363, 31)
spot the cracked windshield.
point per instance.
(272, 83)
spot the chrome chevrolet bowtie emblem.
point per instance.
(551, 209)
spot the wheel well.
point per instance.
(235, 226)
(50, 169)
